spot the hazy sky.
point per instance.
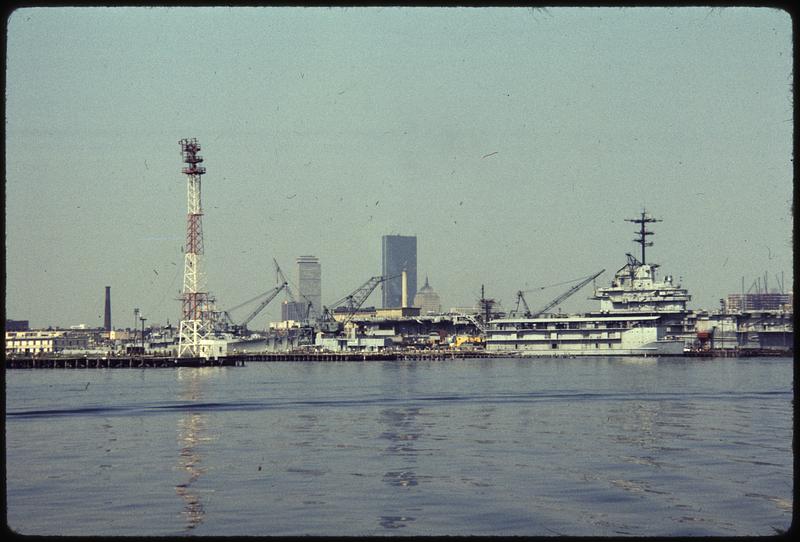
(511, 142)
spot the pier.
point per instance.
(739, 352)
(163, 362)
(384, 355)
(112, 362)
(240, 360)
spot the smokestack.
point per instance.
(404, 295)
(108, 309)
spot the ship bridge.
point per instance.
(636, 289)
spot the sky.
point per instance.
(513, 142)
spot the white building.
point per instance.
(43, 342)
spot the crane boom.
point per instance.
(270, 296)
(240, 305)
(353, 300)
(282, 279)
(309, 306)
(521, 298)
(566, 294)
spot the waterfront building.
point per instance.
(765, 331)
(121, 335)
(759, 302)
(43, 342)
(762, 332)
(427, 300)
(284, 325)
(309, 285)
(398, 254)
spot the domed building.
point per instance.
(427, 300)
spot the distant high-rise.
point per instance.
(427, 300)
(399, 252)
(309, 283)
(294, 310)
(107, 321)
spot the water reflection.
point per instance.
(401, 478)
(652, 425)
(402, 431)
(394, 522)
(402, 434)
(192, 432)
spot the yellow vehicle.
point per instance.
(460, 340)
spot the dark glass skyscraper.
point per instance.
(399, 252)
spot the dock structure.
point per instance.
(237, 360)
(240, 360)
(112, 362)
(739, 353)
(380, 355)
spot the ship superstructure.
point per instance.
(635, 288)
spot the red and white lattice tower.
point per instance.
(196, 324)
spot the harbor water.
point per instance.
(597, 447)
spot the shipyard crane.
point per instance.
(557, 300)
(282, 279)
(309, 305)
(352, 302)
(270, 296)
(227, 322)
(521, 299)
(224, 317)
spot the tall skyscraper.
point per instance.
(399, 252)
(309, 283)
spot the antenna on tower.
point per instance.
(643, 220)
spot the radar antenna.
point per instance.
(643, 220)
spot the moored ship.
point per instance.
(639, 315)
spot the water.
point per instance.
(603, 447)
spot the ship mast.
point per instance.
(643, 220)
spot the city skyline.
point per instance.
(513, 143)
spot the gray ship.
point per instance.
(639, 315)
